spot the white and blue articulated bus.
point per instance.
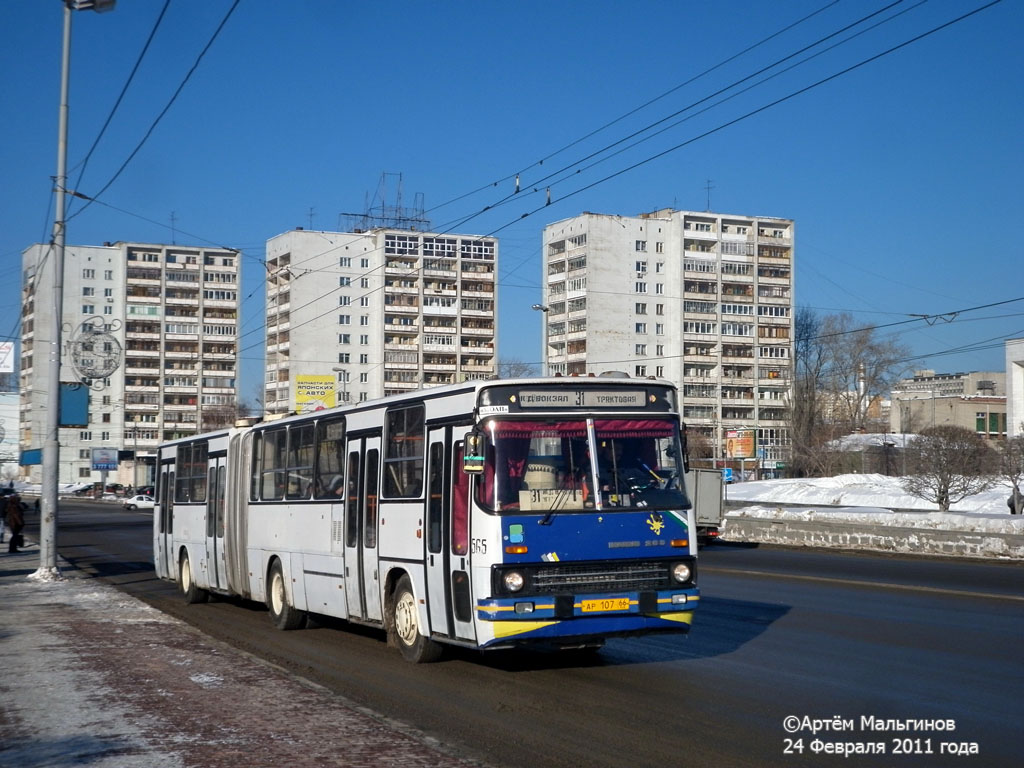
(490, 514)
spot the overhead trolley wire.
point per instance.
(177, 92)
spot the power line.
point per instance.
(177, 92)
(124, 90)
(752, 113)
(633, 111)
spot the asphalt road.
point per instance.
(779, 633)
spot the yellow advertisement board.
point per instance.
(740, 444)
(314, 393)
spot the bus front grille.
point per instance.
(601, 577)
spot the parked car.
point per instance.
(139, 501)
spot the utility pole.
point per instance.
(51, 434)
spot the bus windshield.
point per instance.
(583, 464)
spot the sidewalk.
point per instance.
(91, 676)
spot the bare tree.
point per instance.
(514, 368)
(223, 416)
(946, 464)
(860, 367)
(1011, 468)
(838, 371)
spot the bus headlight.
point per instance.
(681, 572)
(513, 581)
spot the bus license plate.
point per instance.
(608, 604)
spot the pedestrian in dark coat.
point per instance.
(15, 521)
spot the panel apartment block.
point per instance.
(701, 299)
(172, 312)
(375, 313)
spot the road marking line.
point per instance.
(861, 583)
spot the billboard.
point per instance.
(104, 459)
(6, 357)
(740, 443)
(314, 393)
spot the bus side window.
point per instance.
(370, 529)
(460, 505)
(352, 501)
(435, 500)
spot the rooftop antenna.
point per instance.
(310, 215)
(173, 220)
(707, 188)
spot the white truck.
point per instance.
(706, 494)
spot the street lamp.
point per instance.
(51, 434)
(543, 309)
(343, 380)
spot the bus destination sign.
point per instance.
(582, 398)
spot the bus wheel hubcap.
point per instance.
(405, 619)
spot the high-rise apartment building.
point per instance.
(701, 299)
(150, 336)
(353, 316)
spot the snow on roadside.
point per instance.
(871, 499)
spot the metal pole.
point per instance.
(51, 443)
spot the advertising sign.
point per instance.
(104, 459)
(740, 443)
(6, 357)
(314, 393)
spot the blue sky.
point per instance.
(903, 175)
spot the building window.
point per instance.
(364, 339)
(85, 436)
(344, 338)
(641, 266)
(641, 309)
(88, 274)
(641, 245)
(364, 359)
(641, 349)
(345, 261)
(364, 263)
(343, 357)
(344, 282)
(641, 327)
(659, 309)
(88, 309)
(641, 287)
(659, 247)
(641, 370)
(364, 282)
(344, 319)
(659, 329)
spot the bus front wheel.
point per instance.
(282, 614)
(191, 592)
(404, 627)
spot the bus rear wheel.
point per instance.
(192, 593)
(282, 614)
(404, 627)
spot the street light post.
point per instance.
(51, 433)
(543, 309)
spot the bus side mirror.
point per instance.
(473, 454)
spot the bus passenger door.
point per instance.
(164, 564)
(449, 597)
(217, 568)
(362, 585)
